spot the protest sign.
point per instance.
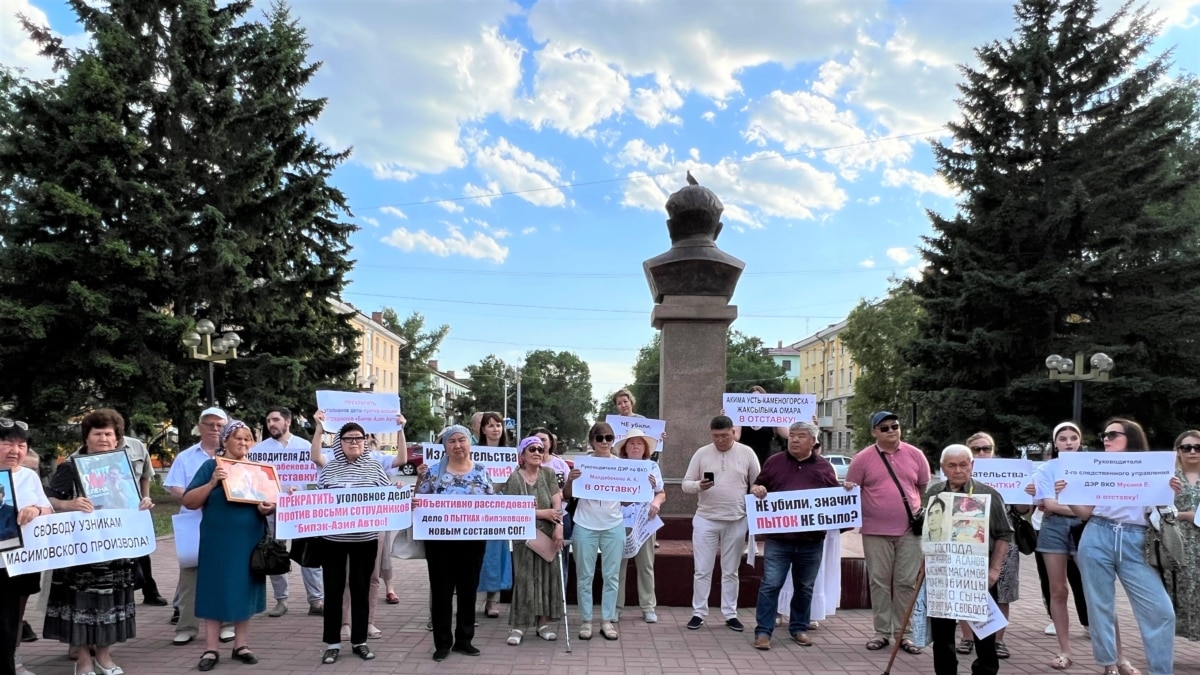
(769, 410)
(1006, 476)
(499, 462)
(639, 527)
(955, 544)
(107, 480)
(458, 517)
(1120, 478)
(186, 527)
(10, 531)
(804, 510)
(77, 538)
(623, 425)
(293, 466)
(375, 412)
(995, 621)
(612, 479)
(315, 513)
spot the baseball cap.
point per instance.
(214, 411)
(882, 416)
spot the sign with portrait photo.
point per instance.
(10, 532)
(249, 482)
(106, 479)
(956, 545)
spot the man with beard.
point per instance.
(280, 438)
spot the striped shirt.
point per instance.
(340, 472)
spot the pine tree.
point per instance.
(1077, 231)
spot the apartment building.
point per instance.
(822, 365)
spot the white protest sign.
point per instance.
(186, 527)
(613, 479)
(315, 513)
(293, 466)
(458, 517)
(375, 412)
(957, 522)
(623, 425)
(1120, 478)
(956, 585)
(499, 462)
(769, 410)
(995, 621)
(77, 538)
(804, 510)
(641, 527)
(1006, 476)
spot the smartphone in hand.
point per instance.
(710, 477)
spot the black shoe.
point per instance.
(441, 654)
(735, 625)
(207, 662)
(175, 617)
(467, 650)
(330, 656)
(363, 652)
(695, 623)
(27, 634)
(155, 600)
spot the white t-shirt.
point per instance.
(1130, 515)
(599, 514)
(27, 485)
(1043, 480)
(184, 468)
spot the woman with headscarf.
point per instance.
(537, 586)
(91, 607)
(497, 571)
(32, 503)
(454, 565)
(349, 559)
(226, 590)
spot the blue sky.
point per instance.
(810, 120)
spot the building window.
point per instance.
(787, 365)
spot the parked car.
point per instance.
(416, 457)
(841, 464)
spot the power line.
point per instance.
(622, 179)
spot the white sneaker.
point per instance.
(650, 617)
(1050, 629)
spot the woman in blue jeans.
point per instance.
(1111, 548)
(599, 528)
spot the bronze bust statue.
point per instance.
(694, 265)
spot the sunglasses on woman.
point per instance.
(603, 438)
(1111, 435)
(8, 424)
(1189, 448)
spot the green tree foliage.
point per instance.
(746, 365)
(1077, 231)
(167, 175)
(487, 387)
(877, 333)
(420, 347)
(556, 393)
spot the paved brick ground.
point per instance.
(291, 644)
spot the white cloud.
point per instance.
(528, 231)
(899, 254)
(868, 263)
(479, 246)
(920, 182)
(708, 116)
(642, 192)
(449, 206)
(501, 233)
(370, 221)
(482, 195)
(694, 153)
(514, 170)
(639, 153)
(653, 106)
(393, 211)
(16, 49)
(573, 91)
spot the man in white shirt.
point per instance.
(721, 473)
(280, 438)
(185, 466)
(143, 471)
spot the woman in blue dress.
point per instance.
(496, 574)
(226, 591)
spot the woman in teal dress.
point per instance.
(226, 591)
(497, 572)
(1187, 575)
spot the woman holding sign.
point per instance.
(1187, 575)
(1111, 549)
(637, 445)
(599, 529)
(91, 606)
(454, 565)
(31, 502)
(497, 572)
(537, 586)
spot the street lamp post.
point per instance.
(1067, 370)
(367, 383)
(202, 346)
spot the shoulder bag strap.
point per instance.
(895, 480)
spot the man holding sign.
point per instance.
(797, 469)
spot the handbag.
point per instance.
(916, 520)
(543, 545)
(1163, 547)
(407, 548)
(269, 557)
(306, 552)
(1024, 535)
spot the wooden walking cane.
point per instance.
(907, 616)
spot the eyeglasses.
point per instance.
(981, 448)
(1189, 448)
(1111, 435)
(353, 439)
(217, 426)
(8, 424)
(605, 438)
(888, 427)
(535, 448)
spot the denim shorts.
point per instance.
(1055, 536)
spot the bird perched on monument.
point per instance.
(690, 180)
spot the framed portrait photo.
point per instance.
(10, 532)
(250, 482)
(107, 480)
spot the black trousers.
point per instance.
(945, 637)
(340, 559)
(453, 568)
(1073, 580)
(12, 590)
(149, 586)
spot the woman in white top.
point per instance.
(599, 529)
(1111, 548)
(637, 445)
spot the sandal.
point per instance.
(363, 652)
(1002, 650)
(373, 633)
(964, 646)
(909, 646)
(546, 633)
(608, 631)
(1062, 662)
(206, 663)
(514, 636)
(1124, 667)
(330, 656)
(585, 631)
(392, 598)
(244, 655)
(877, 643)
(490, 611)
